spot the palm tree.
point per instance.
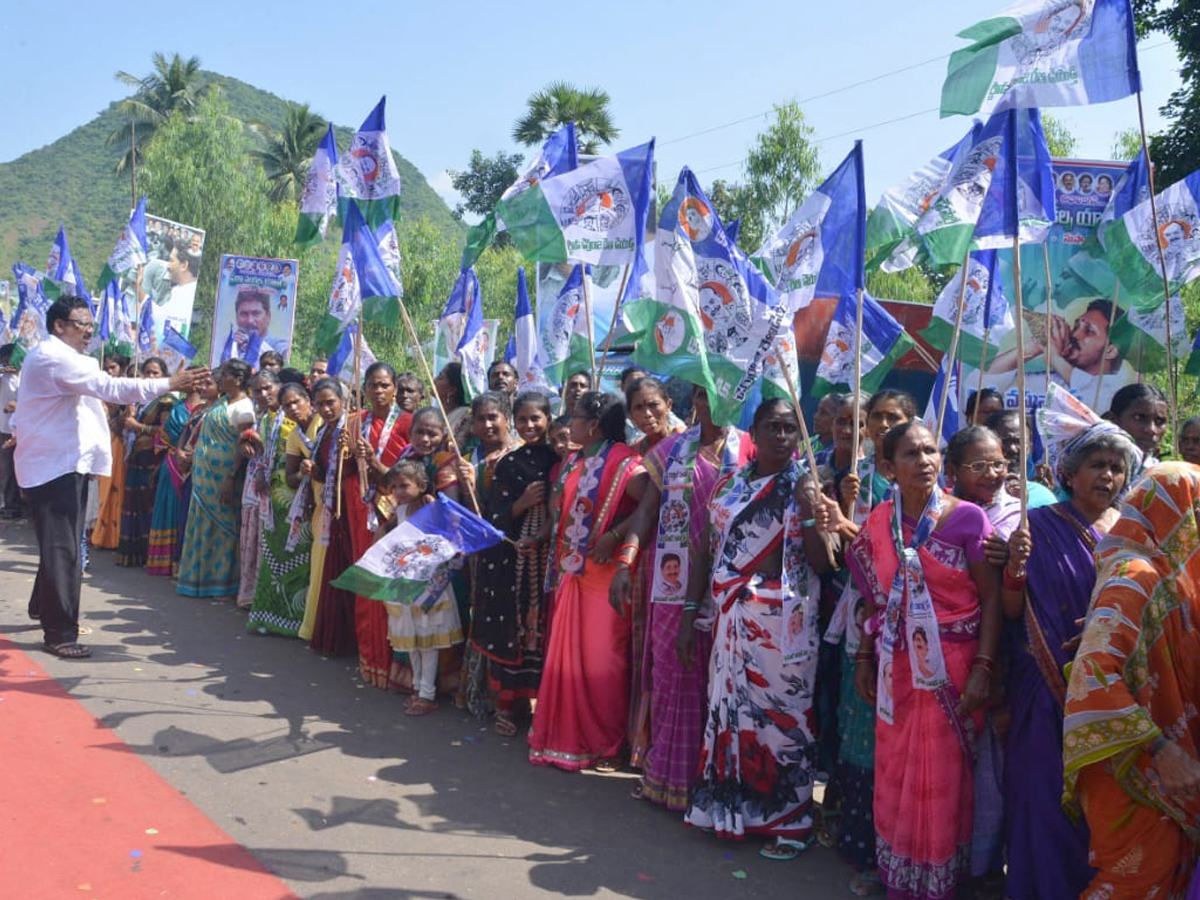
(287, 154)
(559, 103)
(173, 85)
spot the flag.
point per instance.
(566, 339)
(510, 349)
(229, 349)
(734, 229)
(147, 343)
(1038, 54)
(342, 359)
(714, 318)
(105, 315)
(559, 154)
(986, 316)
(593, 214)
(28, 322)
(175, 349)
(1020, 199)
(79, 288)
(410, 560)
(933, 212)
(363, 282)
(250, 354)
(130, 251)
(950, 424)
(319, 201)
(479, 237)
(1133, 244)
(1132, 188)
(366, 173)
(388, 245)
(793, 259)
(475, 347)
(524, 343)
(58, 263)
(5, 331)
(1193, 362)
(453, 321)
(1141, 336)
(884, 342)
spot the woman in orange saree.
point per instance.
(1132, 726)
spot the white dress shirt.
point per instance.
(60, 422)
(9, 384)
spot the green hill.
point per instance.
(71, 182)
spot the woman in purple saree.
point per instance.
(1046, 588)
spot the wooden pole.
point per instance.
(987, 331)
(857, 398)
(1162, 266)
(1049, 344)
(1023, 453)
(133, 158)
(616, 312)
(591, 325)
(353, 438)
(948, 359)
(808, 450)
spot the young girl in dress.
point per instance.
(431, 622)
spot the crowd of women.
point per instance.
(994, 704)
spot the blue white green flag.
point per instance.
(884, 341)
(566, 339)
(319, 202)
(130, 251)
(593, 214)
(452, 324)
(559, 154)
(1132, 188)
(1137, 244)
(410, 562)
(793, 259)
(362, 281)
(715, 318)
(986, 316)
(1021, 198)
(1141, 336)
(366, 173)
(524, 343)
(1041, 53)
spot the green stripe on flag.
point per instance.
(972, 70)
(358, 580)
(532, 225)
(308, 231)
(1141, 282)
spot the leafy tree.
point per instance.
(561, 102)
(730, 202)
(173, 86)
(912, 284)
(287, 154)
(781, 168)
(484, 180)
(1058, 137)
(1176, 151)
(1127, 144)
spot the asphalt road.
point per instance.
(336, 791)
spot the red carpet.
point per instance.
(82, 816)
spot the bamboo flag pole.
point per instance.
(948, 359)
(987, 333)
(808, 450)
(1162, 267)
(1023, 453)
(612, 326)
(354, 437)
(591, 325)
(1049, 343)
(857, 398)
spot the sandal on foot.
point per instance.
(69, 650)
(827, 835)
(638, 792)
(504, 725)
(420, 707)
(784, 849)
(608, 765)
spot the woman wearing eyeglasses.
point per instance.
(1047, 585)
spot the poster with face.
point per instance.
(255, 306)
(169, 277)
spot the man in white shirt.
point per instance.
(62, 436)
(11, 505)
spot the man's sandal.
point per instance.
(68, 650)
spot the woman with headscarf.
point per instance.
(1131, 734)
(1045, 591)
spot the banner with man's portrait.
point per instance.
(169, 277)
(1083, 338)
(255, 308)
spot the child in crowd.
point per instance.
(431, 622)
(560, 437)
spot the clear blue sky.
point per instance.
(457, 74)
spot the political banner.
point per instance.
(169, 277)
(255, 304)
(1078, 337)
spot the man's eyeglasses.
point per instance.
(987, 467)
(83, 326)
